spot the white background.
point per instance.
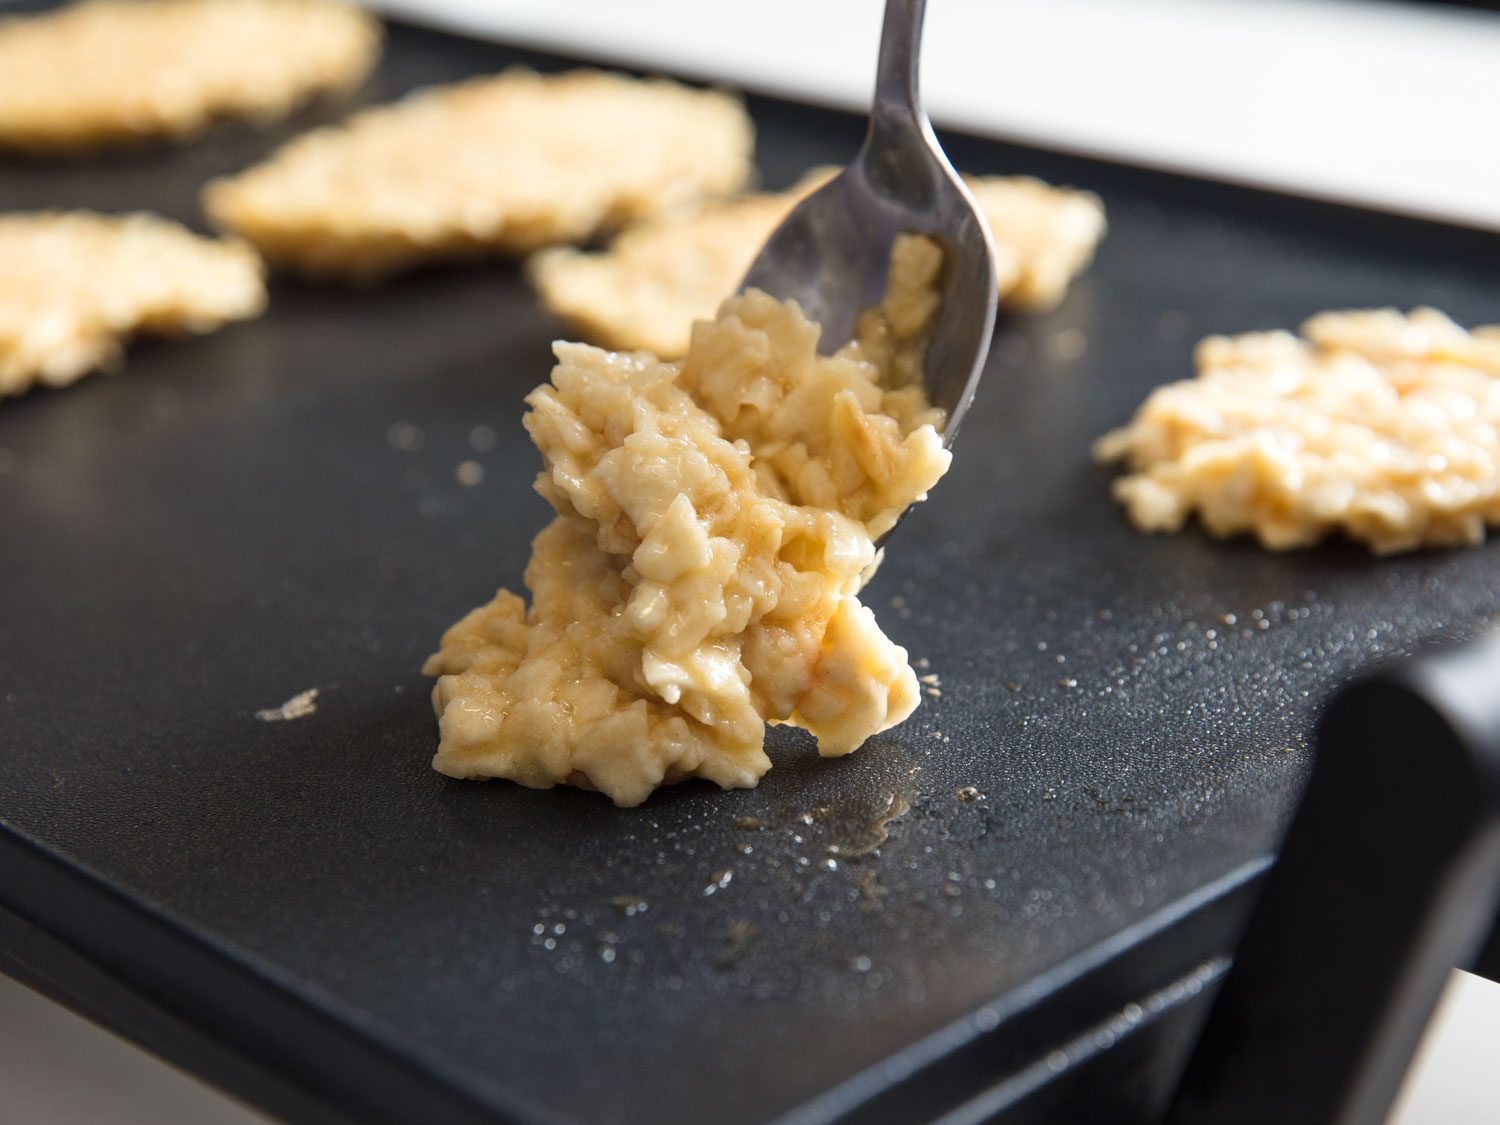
(1386, 104)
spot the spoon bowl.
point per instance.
(832, 253)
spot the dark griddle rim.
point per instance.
(233, 1020)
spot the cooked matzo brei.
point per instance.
(106, 71)
(715, 521)
(502, 164)
(659, 276)
(1381, 425)
(74, 285)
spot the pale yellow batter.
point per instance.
(107, 71)
(1380, 425)
(503, 164)
(714, 521)
(659, 276)
(74, 285)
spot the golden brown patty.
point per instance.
(660, 276)
(1381, 425)
(107, 71)
(74, 285)
(503, 164)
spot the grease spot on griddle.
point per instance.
(863, 833)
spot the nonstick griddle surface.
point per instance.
(226, 523)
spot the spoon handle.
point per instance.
(896, 91)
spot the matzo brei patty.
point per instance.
(75, 284)
(659, 276)
(1050, 232)
(106, 71)
(1379, 425)
(714, 521)
(502, 164)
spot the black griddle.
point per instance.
(308, 915)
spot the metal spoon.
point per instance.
(832, 253)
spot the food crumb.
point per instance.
(932, 679)
(719, 882)
(936, 693)
(630, 905)
(736, 940)
(968, 794)
(404, 436)
(470, 473)
(303, 703)
(871, 891)
(482, 439)
(1069, 344)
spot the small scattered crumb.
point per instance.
(871, 891)
(303, 703)
(470, 473)
(968, 794)
(923, 662)
(1067, 682)
(1069, 344)
(720, 880)
(751, 824)
(629, 905)
(405, 437)
(936, 693)
(931, 679)
(482, 439)
(736, 940)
